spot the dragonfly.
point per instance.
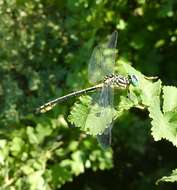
(101, 75)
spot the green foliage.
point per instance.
(45, 47)
(171, 178)
(82, 115)
(30, 161)
(170, 99)
(80, 112)
(163, 120)
(163, 115)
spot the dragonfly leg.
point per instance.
(151, 78)
(129, 95)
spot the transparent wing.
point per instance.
(101, 115)
(102, 60)
(106, 104)
(105, 138)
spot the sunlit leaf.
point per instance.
(163, 125)
(33, 139)
(36, 180)
(87, 116)
(169, 98)
(170, 178)
(79, 112)
(17, 145)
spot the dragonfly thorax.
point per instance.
(116, 81)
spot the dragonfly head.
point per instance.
(133, 80)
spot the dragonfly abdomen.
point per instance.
(49, 105)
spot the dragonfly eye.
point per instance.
(133, 80)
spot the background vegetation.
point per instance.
(45, 48)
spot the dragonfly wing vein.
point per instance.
(105, 138)
(107, 114)
(102, 60)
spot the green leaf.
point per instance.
(33, 139)
(170, 178)
(60, 174)
(170, 98)
(43, 131)
(77, 165)
(125, 104)
(87, 116)
(150, 93)
(104, 158)
(36, 180)
(98, 119)
(17, 145)
(163, 125)
(79, 111)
